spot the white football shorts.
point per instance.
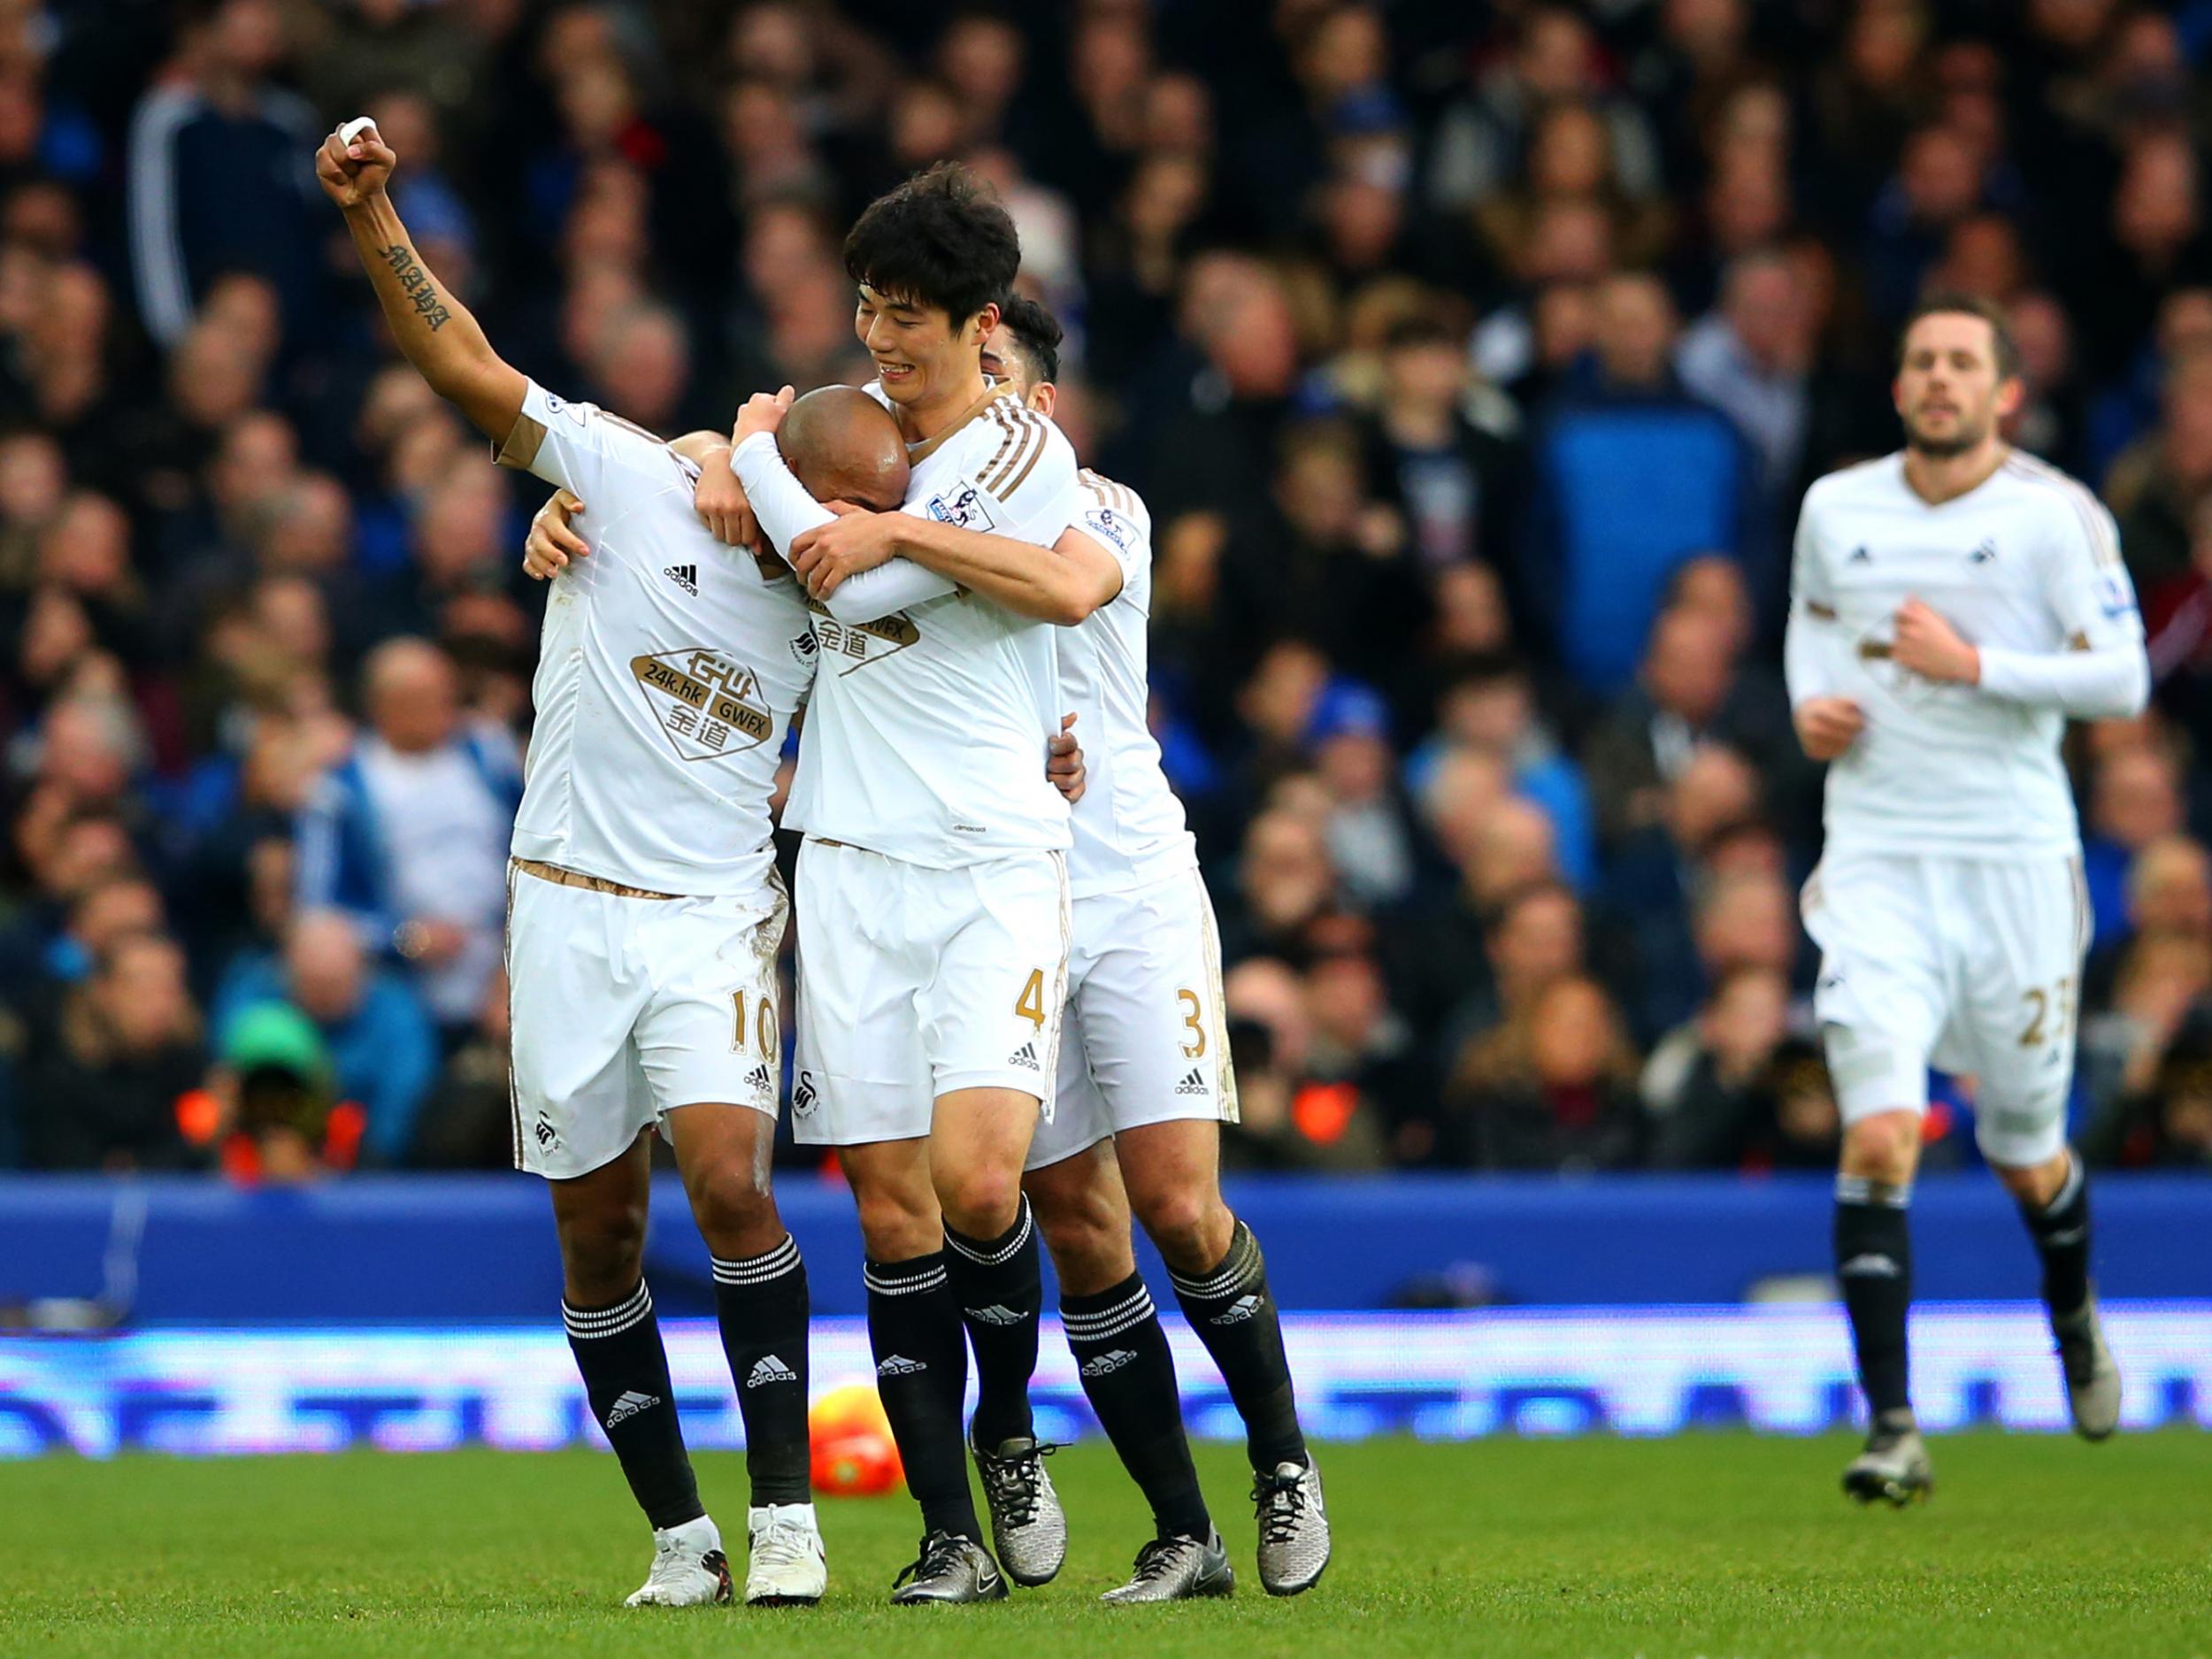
(1145, 1040)
(1970, 966)
(914, 982)
(626, 1009)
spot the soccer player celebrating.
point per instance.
(1144, 1079)
(932, 882)
(1952, 605)
(645, 917)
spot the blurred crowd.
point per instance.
(1473, 357)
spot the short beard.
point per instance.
(1942, 448)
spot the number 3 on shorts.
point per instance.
(1192, 1008)
(1030, 1004)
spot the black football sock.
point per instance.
(1230, 1309)
(2061, 1232)
(761, 1302)
(1874, 1266)
(1128, 1375)
(922, 1374)
(626, 1378)
(998, 1285)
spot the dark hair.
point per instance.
(940, 240)
(1422, 329)
(1953, 305)
(1036, 331)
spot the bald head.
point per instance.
(844, 446)
(410, 693)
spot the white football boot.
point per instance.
(785, 1567)
(690, 1569)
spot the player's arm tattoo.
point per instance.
(431, 325)
(421, 290)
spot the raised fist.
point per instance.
(354, 170)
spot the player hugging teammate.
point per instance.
(934, 922)
(1952, 605)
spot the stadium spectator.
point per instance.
(1687, 694)
(1454, 483)
(1287, 1121)
(220, 175)
(2135, 799)
(382, 1050)
(101, 1089)
(407, 835)
(1632, 475)
(1552, 1088)
(1708, 1085)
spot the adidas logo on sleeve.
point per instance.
(769, 1369)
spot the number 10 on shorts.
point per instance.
(767, 1029)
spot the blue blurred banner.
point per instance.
(1780, 1368)
(479, 1249)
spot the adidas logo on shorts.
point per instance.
(1107, 1364)
(759, 1081)
(685, 576)
(994, 1314)
(769, 1369)
(899, 1365)
(1243, 1308)
(1194, 1084)
(629, 1405)
(1026, 1054)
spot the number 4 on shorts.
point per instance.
(1030, 1004)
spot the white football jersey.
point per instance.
(668, 671)
(1129, 826)
(925, 739)
(2028, 561)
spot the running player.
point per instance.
(645, 915)
(1144, 1081)
(1953, 605)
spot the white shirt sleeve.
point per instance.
(2103, 673)
(581, 447)
(1113, 515)
(1812, 644)
(787, 512)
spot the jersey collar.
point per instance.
(917, 453)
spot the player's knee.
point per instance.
(896, 1225)
(602, 1251)
(981, 1202)
(1190, 1224)
(736, 1212)
(1883, 1147)
(1088, 1237)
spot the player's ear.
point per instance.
(2011, 393)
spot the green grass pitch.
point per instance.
(1711, 1545)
